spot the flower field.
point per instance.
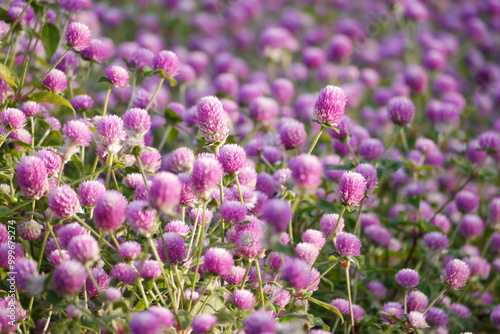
(249, 166)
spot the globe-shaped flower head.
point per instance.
(117, 75)
(78, 36)
(84, 248)
(68, 278)
(306, 172)
(218, 261)
(401, 110)
(369, 172)
(140, 217)
(165, 192)
(407, 278)
(330, 106)
(277, 213)
(174, 247)
(109, 213)
(32, 177)
(168, 62)
(89, 192)
(63, 201)
(351, 188)
(348, 244)
(56, 81)
(456, 273)
(207, 172)
(212, 120)
(232, 158)
(14, 118)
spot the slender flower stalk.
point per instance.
(315, 141)
(48, 72)
(342, 211)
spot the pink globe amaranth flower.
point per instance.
(151, 159)
(330, 106)
(371, 149)
(416, 78)
(187, 196)
(461, 310)
(436, 241)
(494, 211)
(351, 188)
(260, 322)
(178, 227)
(129, 250)
(150, 269)
(84, 248)
(56, 81)
(495, 317)
(401, 110)
(243, 299)
(174, 247)
(426, 146)
(314, 237)
(378, 234)
(417, 301)
(89, 192)
(68, 278)
(136, 121)
(82, 102)
(32, 177)
(467, 201)
(165, 192)
(30, 108)
(227, 83)
(141, 58)
(369, 172)
(102, 279)
(456, 273)
(168, 62)
(203, 323)
(25, 269)
(124, 273)
(78, 36)
(233, 211)
(141, 192)
(292, 134)
(51, 160)
(73, 311)
(218, 261)
(407, 278)
(14, 118)
(117, 75)
(472, 226)
(133, 180)
(348, 245)
(248, 243)
(282, 90)
(6, 255)
(306, 172)
(77, 132)
(212, 120)
(232, 158)
(378, 289)
(145, 322)
(392, 308)
(109, 212)
(140, 217)
(235, 277)
(179, 161)
(110, 128)
(16, 8)
(278, 214)
(164, 315)
(207, 172)
(68, 232)
(63, 201)
(264, 109)
(313, 57)
(297, 273)
(489, 141)
(307, 252)
(96, 51)
(22, 135)
(416, 319)
(436, 317)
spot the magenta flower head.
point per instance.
(145, 322)
(456, 273)
(82, 102)
(14, 118)
(32, 177)
(329, 222)
(29, 229)
(25, 269)
(179, 161)
(63, 201)
(436, 317)
(297, 273)
(348, 244)
(124, 272)
(168, 62)
(78, 36)
(117, 75)
(416, 319)
(129, 250)
(77, 132)
(369, 172)
(232, 158)
(165, 192)
(203, 323)
(436, 241)
(84, 248)
(109, 213)
(51, 160)
(30, 108)
(218, 261)
(96, 51)
(140, 217)
(466, 201)
(68, 232)
(489, 141)
(260, 322)
(263, 109)
(56, 81)
(417, 301)
(407, 278)
(174, 248)
(306, 172)
(307, 252)
(89, 192)
(150, 269)
(207, 172)
(68, 278)
(401, 110)
(495, 317)
(136, 121)
(243, 299)
(102, 279)
(277, 213)
(351, 189)
(141, 58)
(330, 106)
(233, 212)
(426, 146)
(282, 90)
(292, 134)
(212, 120)
(371, 148)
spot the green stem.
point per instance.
(239, 189)
(403, 138)
(323, 274)
(22, 205)
(164, 138)
(200, 248)
(105, 107)
(261, 292)
(201, 294)
(50, 69)
(247, 270)
(43, 137)
(155, 93)
(353, 155)
(86, 77)
(320, 132)
(15, 22)
(359, 216)
(435, 299)
(331, 235)
(97, 235)
(110, 165)
(349, 295)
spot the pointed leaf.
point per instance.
(50, 39)
(327, 306)
(47, 97)
(9, 76)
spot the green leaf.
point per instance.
(327, 306)
(415, 201)
(7, 172)
(76, 160)
(22, 144)
(389, 166)
(172, 117)
(328, 207)
(141, 305)
(104, 79)
(358, 260)
(339, 167)
(172, 135)
(173, 82)
(4, 16)
(66, 326)
(47, 97)
(9, 76)
(50, 39)
(52, 298)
